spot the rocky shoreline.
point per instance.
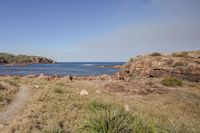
(68, 77)
(184, 65)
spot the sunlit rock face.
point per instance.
(184, 65)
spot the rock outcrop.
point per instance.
(184, 65)
(10, 59)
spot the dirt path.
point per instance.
(12, 109)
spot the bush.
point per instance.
(131, 59)
(2, 87)
(172, 82)
(1, 97)
(58, 90)
(99, 105)
(181, 54)
(108, 119)
(155, 54)
(178, 64)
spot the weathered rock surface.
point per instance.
(184, 65)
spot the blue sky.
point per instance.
(98, 30)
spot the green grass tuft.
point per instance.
(53, 129)
(155, 54)
(178, 64)
(58, 90)
(2, 87)
(171, 82)
(95, 105)
(1, 97)
(109, 119)
(131, 59)
(181, 54)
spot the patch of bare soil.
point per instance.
(13, 108)
(136, 87)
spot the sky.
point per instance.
(98, 30)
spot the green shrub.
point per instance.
(172, 82)
(2, 87)
(178, 64)
(58, 90)
(95, 105)
(155, 54)
(1, 97)
(109, 119)
(146, 126)
(181, 54)
(131, 59)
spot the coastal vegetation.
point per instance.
(11, 59)
(57, 106)
(8, 89)
(155, 54)
(171, 81)
(153, 96)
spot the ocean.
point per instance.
(62, 69)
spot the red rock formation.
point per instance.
(185, 66)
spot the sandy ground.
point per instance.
(12, 109)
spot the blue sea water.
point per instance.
(62, 69)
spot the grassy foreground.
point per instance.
(58, 107)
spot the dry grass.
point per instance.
(178, 110)
(7, 91)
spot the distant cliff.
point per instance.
(185, 65)
(10, 59)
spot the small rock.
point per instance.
(37, 86)
(126, 108)
(42, 76)
(98, 92)
(84, 92)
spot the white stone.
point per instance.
(126, 108)
(37, 86)
(98, 92)
(84, 92)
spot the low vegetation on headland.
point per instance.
(11, 59)
(132, 101)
